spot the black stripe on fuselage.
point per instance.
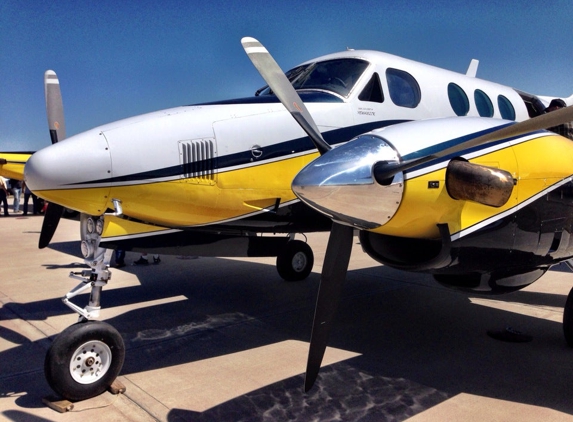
(271, 152)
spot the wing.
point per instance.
(12, 164)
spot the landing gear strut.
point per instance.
(85, 359)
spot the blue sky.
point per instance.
(117, 59)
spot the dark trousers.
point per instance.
(34, 202)
(119, 256)
(4, 200)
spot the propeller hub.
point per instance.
(340, 183)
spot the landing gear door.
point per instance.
(198, 160)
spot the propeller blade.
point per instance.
(543, 121)
(57, 126)
(332, 278)
(283, 89)
(340, 240)
(54, 106)
(50, 224)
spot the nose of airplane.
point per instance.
(74, 173)
(340, 183)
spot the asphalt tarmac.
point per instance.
(215, 339)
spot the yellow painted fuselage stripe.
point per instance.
(93, 201)
(114, 226)
(190, 202)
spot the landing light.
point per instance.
(86, 249)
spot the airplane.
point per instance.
(437, 171)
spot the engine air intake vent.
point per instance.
(198, 159)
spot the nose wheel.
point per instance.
(295, 262)
(84, 360)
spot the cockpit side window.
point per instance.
(291, 75)
(337, 75)
(404, 89)
(372, 92)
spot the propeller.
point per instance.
(340, 240)
(384, 172)
(57, 126)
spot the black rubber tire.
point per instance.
(67, 345)
(295, 262)
(568, 319)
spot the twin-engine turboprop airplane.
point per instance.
(465, 198)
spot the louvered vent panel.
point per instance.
(198, 159)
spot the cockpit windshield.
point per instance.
(338, 75)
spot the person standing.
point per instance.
(119, 258)
(16, 186)
(4, 196)
(27, 194)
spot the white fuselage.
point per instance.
(86, 171)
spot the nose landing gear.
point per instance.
(86, 358)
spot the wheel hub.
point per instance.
(299, 262)
(90, 362)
